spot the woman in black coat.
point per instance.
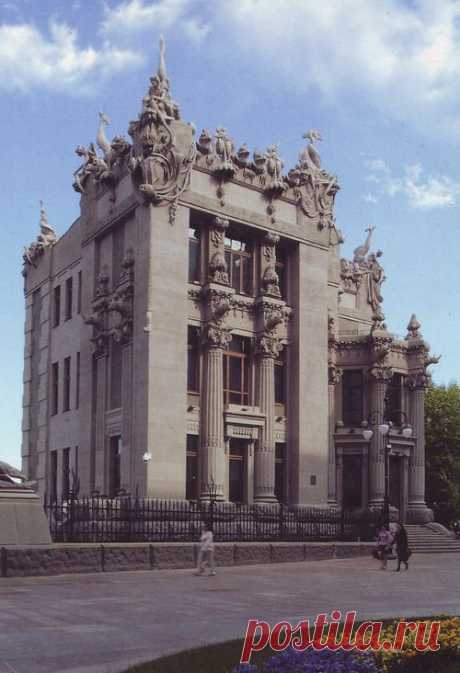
(402, 546)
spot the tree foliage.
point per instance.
(442, 423)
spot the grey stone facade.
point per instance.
(195, 333)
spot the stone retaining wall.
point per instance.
(60, 558)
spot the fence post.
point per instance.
(280, 521)
(102, 558)
(342, 524)
(4, 562)
(71, 516)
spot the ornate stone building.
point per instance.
(195, 332)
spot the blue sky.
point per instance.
(381, 80)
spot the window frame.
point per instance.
(54, 389)
(232, 255)
(67, 379)
(350, 415)
(68, 298)
(194, 242)
(57, 306)
(193, 351)
(244, 359)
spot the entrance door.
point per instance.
(395, 481)
(352, 482)
(236, 469)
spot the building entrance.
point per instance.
(236, 469)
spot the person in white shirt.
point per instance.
(206, 552)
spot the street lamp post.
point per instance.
(384, 429)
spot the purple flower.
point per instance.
(311, 661)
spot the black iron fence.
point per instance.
(132, 519)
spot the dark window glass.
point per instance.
(193, 363)
(77, 387)
(54, 388)
(393, 399)
(114, 465)
(53, 475)
(79, 289)
(239, 258)
(237, 370)
(57, 306)
(116, 374)
(193, 255)
(236, 470)
(280, 472)
(192, 468)
(68, 298)
(65, 473)
(66, 395)
(352, 397)
(280, 379)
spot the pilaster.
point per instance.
(379, 378)
(417, 511)
(335, 376)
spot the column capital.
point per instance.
(216, 336)
(380, 374)
(417, 381)
(268, 346)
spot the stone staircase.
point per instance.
(424, 540)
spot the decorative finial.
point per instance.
(413, 328)
(47, 233)
(162, 63)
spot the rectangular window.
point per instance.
(116, 374)
(280, 472)
(65, 473)
(57, 306)
(79, 290)
(77, 384)
(68, 298)
(114, 465)
(54, 388)
(352, 397)
(191, 491)
(239, 258)
(66, 391)
(236, 468)
(53, 475)
(280, 379)
(237, 370)
(193, 255)
(193, 362)
(393, 400)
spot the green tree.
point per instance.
(442, 423)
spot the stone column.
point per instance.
(100, 399)
(269, 277)
(418, 512)
(335, 376)
(213, 472)
(268, 349)
(379, 381)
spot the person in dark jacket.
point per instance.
(402, 546)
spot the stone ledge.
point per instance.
(40, 560)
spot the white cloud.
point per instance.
(30, 59)
(403, 56)
(370, 198)
(421, 191)
(133, 17)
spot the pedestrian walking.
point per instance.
(384, 544)
(402, 547)
(206, 552)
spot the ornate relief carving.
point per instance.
(351, 275)
(98, 318)
(161, 165)
(105, 169)
(313, 188)
(334, 373)
(270, 279)
(122, 301)
(380, 373)
(216, 336)
(45, 239)
(218, 271)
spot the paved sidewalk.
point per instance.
(100, 623)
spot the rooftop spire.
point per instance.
(46, 230)
(162, 64)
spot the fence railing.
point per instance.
(133, 519)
